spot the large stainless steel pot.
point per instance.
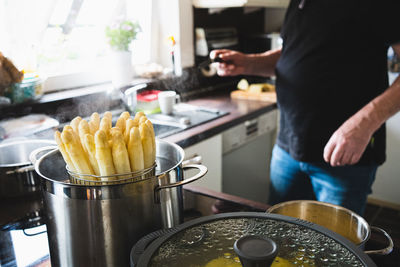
(336, 218)
(97, 225)
(17, 175)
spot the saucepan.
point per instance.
(17, 175)
(336, 218)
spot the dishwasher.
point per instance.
(247, 150)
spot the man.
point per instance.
(333, 95)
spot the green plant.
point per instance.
(121, 34)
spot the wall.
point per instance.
(387, 183)
(274, 19)
(175, 17)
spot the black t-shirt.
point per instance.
(333, 62)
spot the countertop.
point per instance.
(238, 111)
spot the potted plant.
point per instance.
(120, 36)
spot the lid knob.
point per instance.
(255, 251)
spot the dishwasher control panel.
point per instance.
(246, 131)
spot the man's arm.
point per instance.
(236, 63)
(349, 142)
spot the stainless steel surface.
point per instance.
(17, 177)
(184, 116)
(96, 225)
(16, 154)
(336, 218)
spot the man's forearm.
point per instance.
(263, 64)
(381, 108)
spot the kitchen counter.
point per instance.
(238, 111)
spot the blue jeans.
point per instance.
(347, 186)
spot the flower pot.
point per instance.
(121, 68)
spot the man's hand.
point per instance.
(347, 144)
(234, 63)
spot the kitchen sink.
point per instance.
(185, 116)
(163, 130)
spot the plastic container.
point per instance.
(147, 101)
(30, 88)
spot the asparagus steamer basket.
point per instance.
(93, 222)
(88, 179)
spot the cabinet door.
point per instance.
(211, 152)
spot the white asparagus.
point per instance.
(138, 115)
(83, 130)
(153, 139)
(75, 124)
(135, 150)
(94, 123)
(129, 124)
(147, 144)
(89, 145)
(119, 153)
(64, 153)
(103, 154)
(105, 126)
(76, 153)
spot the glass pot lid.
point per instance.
(209, 241)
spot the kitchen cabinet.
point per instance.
(247, 150)
(210, 151)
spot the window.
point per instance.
(64, 40)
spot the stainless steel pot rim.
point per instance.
(68, 183)
(337, 207)
(26, 163)
(155, 245)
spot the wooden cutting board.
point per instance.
(264, 96)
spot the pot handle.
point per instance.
(21, 170)
(33, 156)
(202, 171)
(386, 250)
